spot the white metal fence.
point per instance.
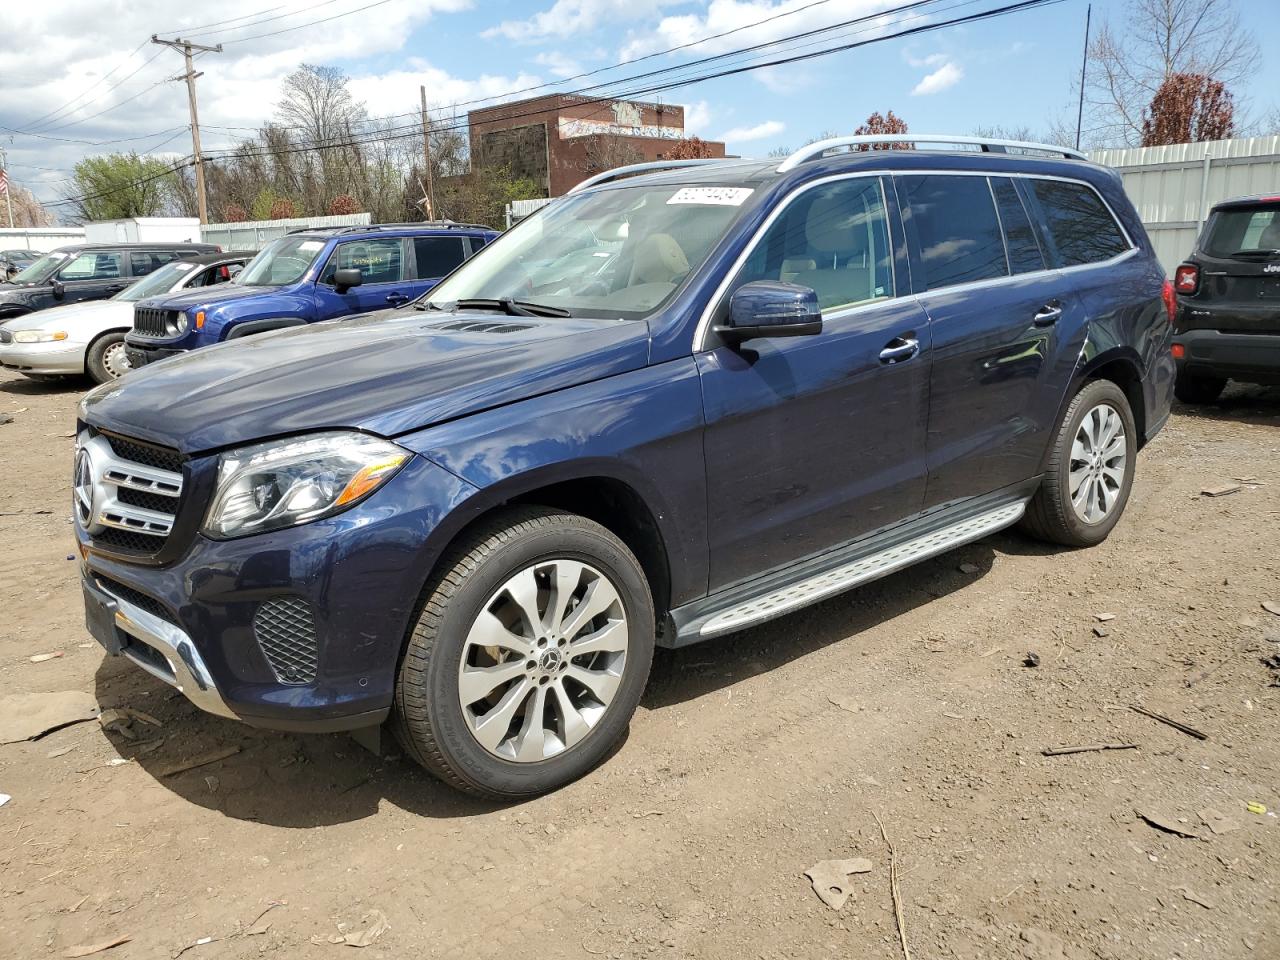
(256, 234)
(42, 239)
(1173, 187)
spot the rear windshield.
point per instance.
(1246, 232)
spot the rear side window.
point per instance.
(833, 238)
(437, 256)
(93, 266)
(144, 262)
(1243, 232)
(379, 261)
(955, 223)
(1080, 227)
(1019, 238)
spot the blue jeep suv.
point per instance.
(671, 405)
(306, 277)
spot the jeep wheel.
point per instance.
(1196, 390)
(1090, 470)
(529, 656)
(106, 360)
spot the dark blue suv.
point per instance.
(306, 277)
(669, 406)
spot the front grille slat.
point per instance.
(136, 493)
(152, 322)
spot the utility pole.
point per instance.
(426, 154)
(186, 47)
(8, 196)
(1084, 64)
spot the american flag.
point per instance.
(4, 183)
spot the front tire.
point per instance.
(1090, 470)
(1198, 390)
(106, 358)
(529, 656)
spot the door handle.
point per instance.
(899, 349)
(1048, 315)
(397, 297)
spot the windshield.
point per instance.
(280, 262)
(41, 269)
(620, 252)
(158, 281)
(1244, 232)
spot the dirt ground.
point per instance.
(751, 758)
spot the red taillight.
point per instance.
(1179, 351)
(1186, 279)
(1170, 301)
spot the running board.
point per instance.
(860, 571)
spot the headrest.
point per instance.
(659, 259)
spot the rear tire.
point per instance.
(1196, 390)
(106, 359)
(534, 722)
(1090, 470)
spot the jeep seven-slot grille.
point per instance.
(153, 322)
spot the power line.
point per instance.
(201, 32)
(99, 143)
(313, 23)
(40, 119)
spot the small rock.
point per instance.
(968, 568)
(1104, 617)
(1271, 606)
(1032, 659)
(1221, 490)
(1100, 632)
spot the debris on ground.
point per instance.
(894, 892)
(1087, 748)
(5, 418)
(212, 756)
(42, 657)
(373, 925)
(96, 947)
(1167, 824)
(1221, 490)
(1253, 806)
(831, 881)
(1271, 606)
(121, 720)
(1217, 821)
(1177, 725)
(1104, 617)
(845, 703)
(1032, 659)
(1188, 895)
(968, 568)
(29, 716)
(60, 752)
(4, 798)
(1101, 632)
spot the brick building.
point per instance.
(560, 140)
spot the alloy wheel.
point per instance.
(543, 660)
(1099, 458)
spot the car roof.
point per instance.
(373, 230)
(92, 247)
(205, 259)
(1252, 201)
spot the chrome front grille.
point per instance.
(151, 322)
(126, 493)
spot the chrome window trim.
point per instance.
(704, 321)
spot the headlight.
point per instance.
(284, 483)
(38, 336)
(180, 324)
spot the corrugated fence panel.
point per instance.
(1169, 187)
(256, 234)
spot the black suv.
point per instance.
(88, 272)
(1228, 322)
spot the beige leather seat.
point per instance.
(837, 237)
(659, 259)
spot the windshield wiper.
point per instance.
(513, 307)
(1253, 254)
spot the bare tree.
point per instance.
(607, 152)
(1189, 108)
(1154, 39)
(27, 210)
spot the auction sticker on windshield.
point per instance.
(717, 196)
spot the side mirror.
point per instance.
(768, 308)
(346, 278)
(59, 290)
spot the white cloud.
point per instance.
(558, 64)
(931, 60)
(947, 75)
(760, 131)
(697, 118)
(568, 18)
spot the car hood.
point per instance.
(77, 319)
(214, 296)
(387, 374)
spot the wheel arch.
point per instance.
(93, 342)
(1122, 367)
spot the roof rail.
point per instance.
(985, 144)
(361, 228)
(651, 166)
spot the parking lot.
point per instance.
(752, 758)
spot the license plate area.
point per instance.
(100, 618)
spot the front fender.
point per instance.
(261, 326)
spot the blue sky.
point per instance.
(1016, 71)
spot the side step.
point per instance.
(863, 570)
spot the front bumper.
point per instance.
(141, 354)
(198, 622)
(56, 358)
(1251, 357)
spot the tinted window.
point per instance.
(1019, 238)
(145, 262)
(955, 223)
(437, 256)
(379, 261)
(1243, 231)
(1080, 227)
(93, 266)
(834, 239)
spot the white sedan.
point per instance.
(88, 337)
